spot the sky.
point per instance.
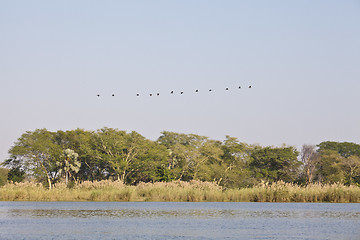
(302, 59)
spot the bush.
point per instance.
(16, 175)
(3, 176)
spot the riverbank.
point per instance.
(178, 191)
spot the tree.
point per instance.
(345, 149)
(86, 145)
(16, 175)
(3, 176)
(192, 156)
(151, 164)
(309, 157)
(339, 162)
(275, 164)
(352, 168)
(330, 167)
(210, 168)
(119, 149)
(235, 164)
(37, 153)
(69, 163)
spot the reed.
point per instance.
(179, 191)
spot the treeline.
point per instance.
(110, 154)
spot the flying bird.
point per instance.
(181, 92)
(98, 95)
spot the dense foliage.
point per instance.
(3, 176)
(80, 155)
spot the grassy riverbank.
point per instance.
(194, 191)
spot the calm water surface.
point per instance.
(144, 220)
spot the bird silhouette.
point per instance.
(113, 95)
(181, 92)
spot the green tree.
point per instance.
(37, 153)
(119, 149)
(192, 156)
(352, 168)
(16, 175)
(69, 164)
(151, 165)
(211, 166)
(275, 164)
(3, 176)
(345, 149)
(79, 140)
(235, 164)
(330, 167)
(339, 162)
(86, 145)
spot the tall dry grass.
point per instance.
(178, 191)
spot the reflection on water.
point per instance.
(102, 220)
(183, 213)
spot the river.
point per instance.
(175, 220)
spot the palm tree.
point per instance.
(70, 163)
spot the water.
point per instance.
(154, 220)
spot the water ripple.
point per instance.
(182, 213)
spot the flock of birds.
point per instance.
(172, 92)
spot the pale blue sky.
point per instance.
(301, 57)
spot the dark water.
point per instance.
(144, 220)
